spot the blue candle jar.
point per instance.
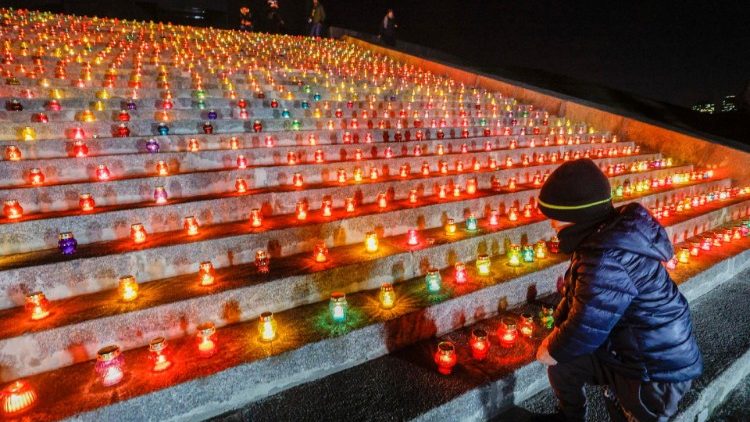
(527, 253)
(471, 223)
(433, 280)
(163, 129)
(212, 115)
(285, 114)
(130, 105)
(67, 243)
(305, 105)
(316, 96)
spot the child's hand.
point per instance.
(542, 354)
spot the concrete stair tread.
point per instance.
(162, 239)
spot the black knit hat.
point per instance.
(576, 192)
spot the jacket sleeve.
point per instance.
(603, 291)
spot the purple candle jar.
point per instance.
(152, 146)
(67, 243)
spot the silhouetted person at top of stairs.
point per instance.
(388, 28)
(317, 19)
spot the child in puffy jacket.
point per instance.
(622, 322)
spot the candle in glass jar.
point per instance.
(128, 288)
(267, 327)
(546, 316)
(387, 296)
(256, 219)
(450, 227)
(191, 225)
(262, 261)
(460, 273)
(86, 202)
(160, 195)
(12, 209)
(480, 344)
(206, 337)
(37, 306)
(445, 357)
(240, 185)
(320, 252)
(433, 280)
(159, 355)
(526, 326)
(338, 306)
(206, 273)
(109, 365)
(483, 264)
(67, 243)
(17, 398)
(371, 242)
(508, 332)
(137, 233)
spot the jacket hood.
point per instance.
(633, 229)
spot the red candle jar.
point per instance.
(413, 196)
(17, 398)
(301, 210)
(137, 233)
(12, 153)
(554, 245)
(480, 344)
(80, 149)
(191, 225)
(102, 172)
(507, 332)
(193, 145)
(256, 218)
(320, 252)
(37, 306)
(12, 209)
(382, 200)
(241, 162)
(412, 239)
(262, 261)
(297, 180)
(36, 177)
(206, 273)
(159, 355)
(327, 208)
(162, 169)
(86, 202)
(206, 336)
(445, 357)
(240, 185)
(349, 204)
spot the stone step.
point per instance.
(55, 148)
(405, 385)
(138, 191)
(194, 125)
(63, 170)
(71, 170)
(182, 298)
(49, 270)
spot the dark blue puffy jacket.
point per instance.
(620, 303)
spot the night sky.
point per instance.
(679, 52)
